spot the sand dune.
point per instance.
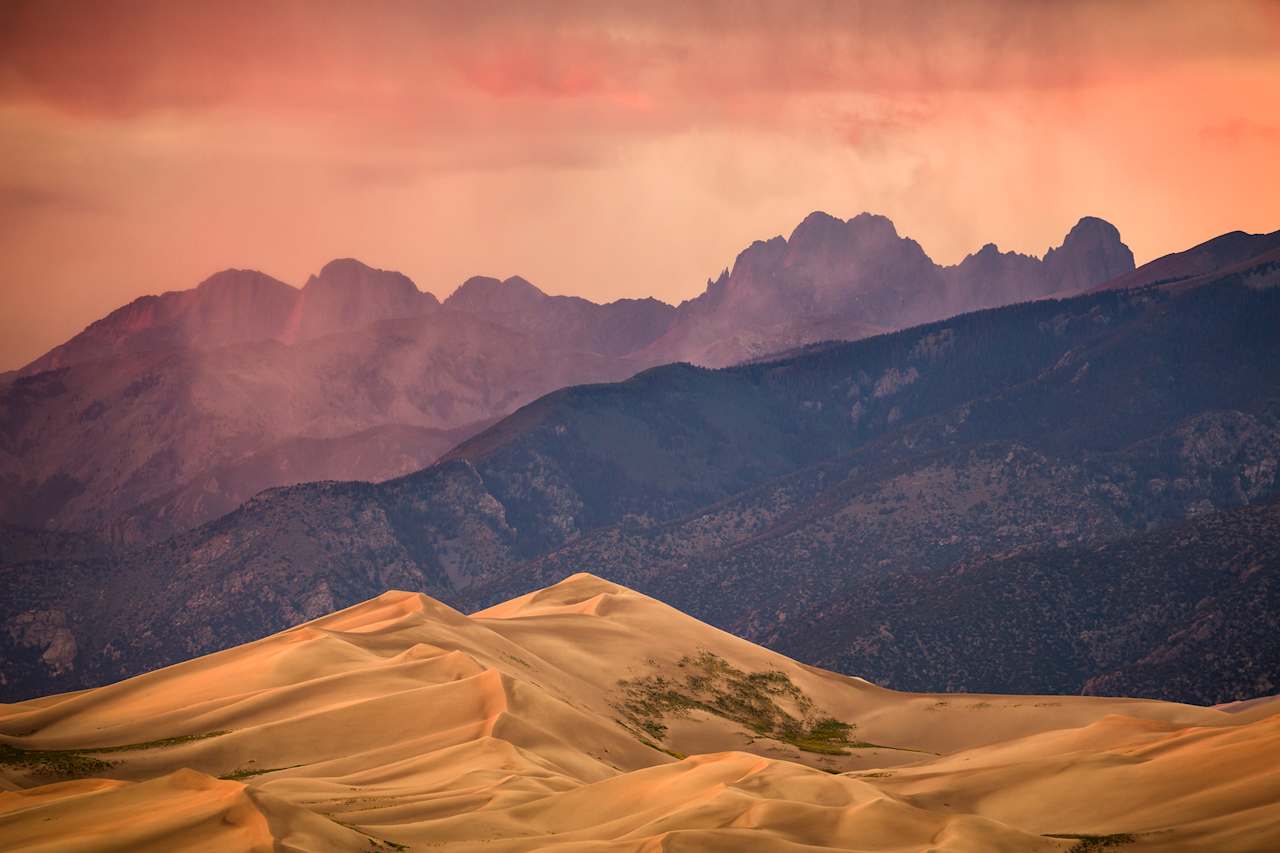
(589, 717)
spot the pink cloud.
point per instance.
(395, 63)
(603, 148)
(1243, 129)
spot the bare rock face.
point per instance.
(846, 279)
(1092, 253)
(989, 278)
(347, 294)
(46, 630)
(176, 408)
(831, 278)
(229, 307)
(487, 294)
(245, 306)
(617, 328)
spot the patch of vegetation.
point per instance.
(152, 744)
(1091, 843)
(75, 763)
(678, 756)
(374, 843)
(517, 659)
(52, 762)
(827, 736)
(249, 772)
(751, 699)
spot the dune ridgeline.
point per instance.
(586, 716)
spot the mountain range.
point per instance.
(586, 716)
(1003, 457)
(175, 409)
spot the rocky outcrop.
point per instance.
(347, 294)
(244, 306)
(47, 632)
(844, 279)
(1091, 254)
(229, 307)
(616, 328)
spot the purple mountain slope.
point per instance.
(176, 408)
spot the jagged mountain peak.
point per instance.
(821, 227)
(1092, 252)
(652, 301)
(991, 257)
(816, 226)
(348, 293)
(823, 239)
(1094, 233)
(829, 267)
(486, 293)
(230, 306)
(838, 278)
(518, 285)
(242, 279)
(1086, 225)
(349, 273)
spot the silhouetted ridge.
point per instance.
(484, 293)
(1091, 253)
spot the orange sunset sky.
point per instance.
(602, 149)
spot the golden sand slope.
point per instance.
(562, 720)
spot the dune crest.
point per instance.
(589, 716)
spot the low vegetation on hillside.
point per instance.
(75, 763)
(767, 704)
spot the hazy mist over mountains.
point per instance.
(870, 443)
(1053, 427)
(1020, 487)
(176, 408)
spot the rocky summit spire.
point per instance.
(1091, 253)
(348, 294)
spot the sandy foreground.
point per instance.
(589, 717)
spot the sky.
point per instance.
(601, 149)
